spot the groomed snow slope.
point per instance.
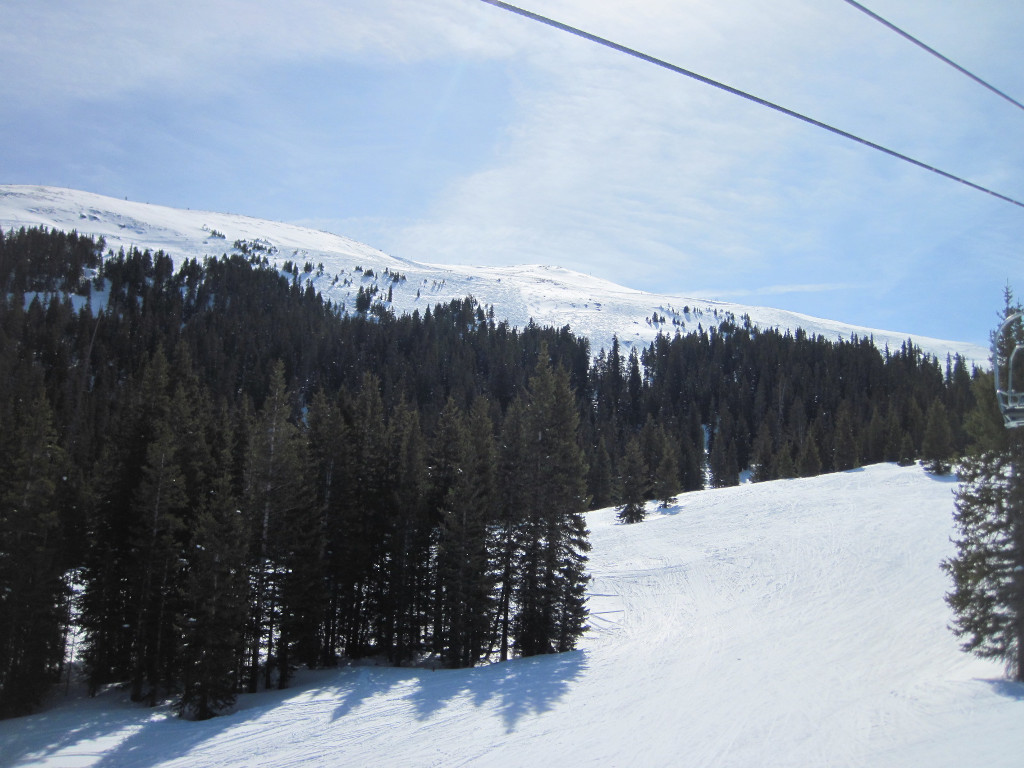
(591, 307)
(792, 623)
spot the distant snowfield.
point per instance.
(791, 623)
(591, 307)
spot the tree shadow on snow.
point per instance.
(163, 737)
(154, 733)
(363, 683)
(1007, 688)
(61, 729)
(520, 687)
(517, 688)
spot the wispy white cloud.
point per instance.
(611, 162)
(67, 49)
(587, 158)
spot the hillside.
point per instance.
(790, 623)
(551, 296)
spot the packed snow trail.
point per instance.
(792, 623)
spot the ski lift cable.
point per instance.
(743, 94)
(934, 53)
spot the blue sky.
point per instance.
(452, 131)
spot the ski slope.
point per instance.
(791, 623)
(551, 296)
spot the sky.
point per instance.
(453, 131)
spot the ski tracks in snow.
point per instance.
(793, 623)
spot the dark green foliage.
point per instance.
(600, 481)
(634, 484)
(844, 452)
(465, 592)
(248, 481)
(281, 516)
(988, 587)
(666, 475)
(809, 460)
(31, 587)
(215, 606)
(937, 446)
(987, 571)
(552, 535)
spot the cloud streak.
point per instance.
(452, 131)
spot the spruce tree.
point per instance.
(514, 497)
(31, 588)
(722, 459)
(408, 543)
(809, 460)
(552, 584)
(601, 481)
(938, 440)
(666, 475)
(465, 583)
(634, 484)
(907, 454)
(763, 452)
(160, 505)
(281, 517)
(845, 454)
(785, 467)
(215, 606)
(988, 569)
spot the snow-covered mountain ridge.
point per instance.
(593, 308)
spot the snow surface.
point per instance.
(791, 623)
(591, 307)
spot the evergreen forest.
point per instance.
(210, 476)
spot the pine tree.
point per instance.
(160, 504)
(282, 519)
(785, 468)
(601, 481)
(666, 475)
(692, 454)
(465, 589)
(722, 462)
(116, 591)
(809, 460)
(988, 569)
(363, 528)
(552, 583)
(845, 454)
(31, 589)
(874, 441)
(409, 541)
(514, 498)
(328, 443)
(215, 606)
(634, 484)
(907, 454)
(938, 440)
(763, 454)
(896, 441)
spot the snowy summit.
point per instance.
(550, 296)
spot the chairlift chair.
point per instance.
(1010, 400)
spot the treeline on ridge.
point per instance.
(218, 476)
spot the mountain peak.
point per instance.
(548, 295)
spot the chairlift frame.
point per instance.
(1011, 401)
